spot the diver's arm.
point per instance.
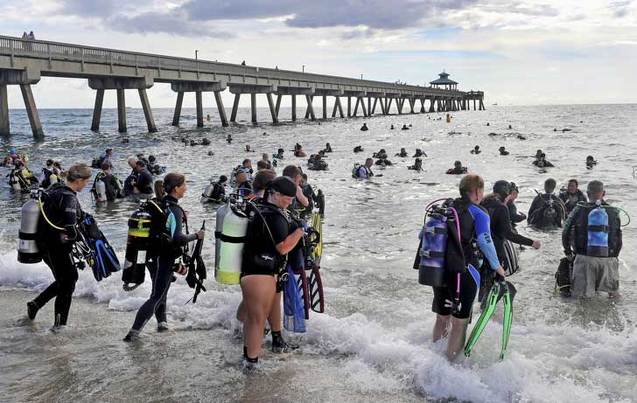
(176, 225)
(301, 197)
(289, 242)
(483, 236)
(509, 233)
(568, 230)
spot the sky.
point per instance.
(524, 52)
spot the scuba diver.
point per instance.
(265, 158)
(279, 154)
(514, 216)
(592, 235)
(20, 178)
(229, 139)
(380, 154)
(48, 177)
(298, 151)
(457, 169)
(106, 186)
(590, 162)
(216, 191)
(316, 163)
(541, 162)
(364, 128)
(153, 167)
(404, 127)
(242, 185)
(363, 171)
(419, 153)
(57, 232)
(140, 181)
(328, 148)
(391, 127)
(163, 255)
(501, 228)
(455, 283)
(476, 150)
(417, 165)
(358, 149)
(547, 211)
(270, 237)
(571, 196)
(402, 153)
(106, 157)
(503, 151)
(383, 162)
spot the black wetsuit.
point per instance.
(501, 226)
(144, 182)
(63, 210)
(546, 211)
(161, 265)
(570, 201)
(514, 216)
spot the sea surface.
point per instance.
(374, 341)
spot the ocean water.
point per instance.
(374, 341)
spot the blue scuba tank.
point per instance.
(597, 244)
(431, 270)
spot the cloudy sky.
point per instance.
(518, 52)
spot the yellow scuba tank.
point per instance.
(230, 234)
(137, 245)
(27, 248)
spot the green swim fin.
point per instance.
(509, 293)
(481, 323)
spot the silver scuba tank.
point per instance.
(207, 193)
(100, 191)
(231, 228)
(27, 248)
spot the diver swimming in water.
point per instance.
(457, 169)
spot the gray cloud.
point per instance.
(375, 14)
(620, 8)
(153, 22)
(96, 8)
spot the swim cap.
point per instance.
(283, 185)
(502, 188)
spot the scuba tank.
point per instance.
(27, 248)
(230, 234)
(137, 245)
(100, 191)
(597, 244)
(431, 270)
(207, 193)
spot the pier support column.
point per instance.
(253, 107)
(422, 105)
(310, 107)
(363, 107)
(278, 105)
(221, 109)
(235, 108)
(178, 104)
(273, 111)
(97, 110)
(412, 103)
(399, 103)
(358, 100)
(373, 109)
(148, 113)
(388, 105)
(293, 108)
(5, 127)
(474, 104)
(199, 105)
(32, 111)
(369, 106)
(324, 106)
(482, 108)
(121, 111)
(338, 107)
(432, 102)
(349, 107)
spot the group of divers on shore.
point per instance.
(268, 239)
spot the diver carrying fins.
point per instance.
(501, 290)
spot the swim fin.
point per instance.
(508, 296)
(317, 302)
(102, 258)
(481, 323)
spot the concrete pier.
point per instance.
(23, 62)
(5, 126)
